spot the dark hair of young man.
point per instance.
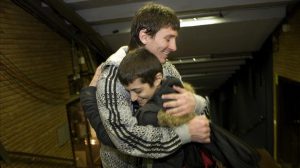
(147, 18)
(139, 63)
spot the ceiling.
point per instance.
(206, 55)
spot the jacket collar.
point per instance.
(117, 57)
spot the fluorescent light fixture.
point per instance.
(198, 21)
(209, 59)
(73, 1)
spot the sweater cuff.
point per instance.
(183, 133)
(200, 104)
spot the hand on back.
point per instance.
(180, 103)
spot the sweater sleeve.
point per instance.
(201, 105)
(117, 116)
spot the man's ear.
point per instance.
(158, 79)
(143, 36)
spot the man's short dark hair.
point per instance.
(151, 17)
(139, 63)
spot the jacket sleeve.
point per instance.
(89, 105)
(117, 116)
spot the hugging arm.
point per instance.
(116, 114)
(89, 105)
(184, 102)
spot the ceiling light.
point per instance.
(209, 59)
(74, 1)
(198, 21)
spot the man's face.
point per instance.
(162, 43)
(140, 92)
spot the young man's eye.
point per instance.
(138, 91)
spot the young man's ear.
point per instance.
(143, 36)
(158, 79)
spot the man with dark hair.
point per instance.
(141, 73)
(154, 27)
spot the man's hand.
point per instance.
(180, 103)
(96, 76)
(199, 129)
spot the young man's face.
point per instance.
(141, 92)
(162, 43)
